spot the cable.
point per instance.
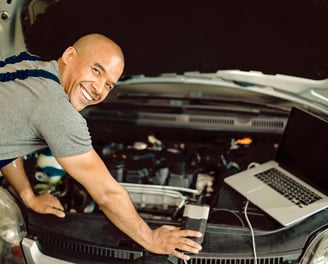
(252, 165)
(252, 232)
(231, 212)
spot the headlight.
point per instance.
(12, 229)
(317, 251)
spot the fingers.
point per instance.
(190, 233)
(171, 228)
(51, 201)
(181, 255)
(48, 204)
(54, 206)
(182, 232)
(173, 241)
(188, 245)
(55, 211)
(185, 245)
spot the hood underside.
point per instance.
(160, 36)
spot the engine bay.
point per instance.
(164, 169)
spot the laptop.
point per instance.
(294, 185)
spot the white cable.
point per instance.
(252, 232)
(252, 165)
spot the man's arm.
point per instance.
(89, 170)
(14, 172)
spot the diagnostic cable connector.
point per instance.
(195, 218)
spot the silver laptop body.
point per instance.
(302, 158)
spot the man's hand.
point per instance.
(171, 240)
(44, 204)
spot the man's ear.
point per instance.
(68, 54)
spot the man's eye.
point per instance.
(109, 86)
(96, 71)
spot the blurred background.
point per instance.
(272, 36)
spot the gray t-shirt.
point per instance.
(36, 113)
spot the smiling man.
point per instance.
(96, 75)
(40, 103)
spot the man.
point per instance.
(39, 103)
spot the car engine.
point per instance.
(163, 171)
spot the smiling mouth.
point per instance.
(87, 95)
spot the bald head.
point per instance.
(91, 42)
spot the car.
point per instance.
(170, 138)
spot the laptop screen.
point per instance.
(304, 147)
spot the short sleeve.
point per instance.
(62, 128)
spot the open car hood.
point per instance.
(311, 93)
(159, 47)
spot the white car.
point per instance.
(171, 139)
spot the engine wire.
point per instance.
(252, 232)
(231, 212)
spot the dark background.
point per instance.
(272, 36)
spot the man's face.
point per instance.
(88, 77)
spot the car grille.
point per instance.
(74, 248)
(211, 260)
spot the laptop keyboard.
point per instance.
(289, 188)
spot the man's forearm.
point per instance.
(89, 170)
(15, 174)
(121, 211)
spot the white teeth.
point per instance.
(85, 93)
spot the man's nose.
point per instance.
(99, 85)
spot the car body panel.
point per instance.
(11, 27)
(199, 114)
(220, 242)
